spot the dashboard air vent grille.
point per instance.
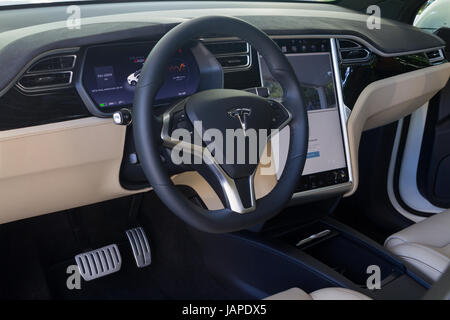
(435, 56)
(232, 55)
(348, 44)
(39, 81)
(352, 52)
(48, 73)
(53, 64)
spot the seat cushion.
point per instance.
(425, 245)
(322, 294)
(338, 294)
(290, 294)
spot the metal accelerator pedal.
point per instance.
(140, 246)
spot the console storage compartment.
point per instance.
(348, 256)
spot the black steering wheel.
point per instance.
(220, 109)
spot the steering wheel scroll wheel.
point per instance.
(219, 111)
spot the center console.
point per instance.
(319, 254)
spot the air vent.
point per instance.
(348, 44)
(53, 64)
(435, 56)
(233, 56)
(219, 48)
(352, 52)
(45, 80)
(48, 74)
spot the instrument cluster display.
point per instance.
(111, 73)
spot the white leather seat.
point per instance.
(322, 294)
(425, 245)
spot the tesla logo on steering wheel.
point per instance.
(241, 114)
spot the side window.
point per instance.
(433, 15)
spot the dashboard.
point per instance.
(58, 94)
(107, 76)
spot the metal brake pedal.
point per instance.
(140, 246)
(99, 263)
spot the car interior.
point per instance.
(346, 198)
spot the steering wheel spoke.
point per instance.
(237, 194)
(240, 194)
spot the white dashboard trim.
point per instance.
(390, 99)
(408, 189)
(390, 180)
(408, 171)
(58, 166)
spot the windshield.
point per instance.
(22, 2)
(25, 2)
(433, 15)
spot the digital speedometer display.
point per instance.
(111, 73)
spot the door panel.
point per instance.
(433, 172)
(433, 176)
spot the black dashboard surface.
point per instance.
(34, 31)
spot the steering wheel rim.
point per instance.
(148, 136)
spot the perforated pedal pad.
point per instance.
(140, 246)
(99, 263)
